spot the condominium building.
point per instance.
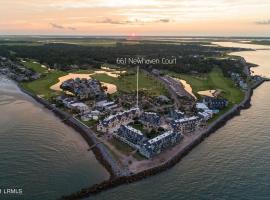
(203, 111)
(205, 115)
(178, 114)
(160, 143)
(130, 136)
(215, 103)
(186, 125)
(150, 119)
(84, 88)
(113, 122)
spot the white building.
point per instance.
(113, 122)
(106, 105)
(79, 106)
(204, 112)
(160, 143)
(201, 106)
(205, 115)
(186, 125)
(130, 136)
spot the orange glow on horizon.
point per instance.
(143, 17)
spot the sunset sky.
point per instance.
(140, 17)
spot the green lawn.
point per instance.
(127, 83)
(35, 66)
(137, 126)
(221, 112)
(42, 85)
(214, 80)
(82, 71)
(121, 146)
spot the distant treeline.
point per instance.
(190, 57)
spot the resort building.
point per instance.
(150, 119)
(66, 101)
(201, 106)
(239, 80)
(130, 136)
(204, 112)
(160, 143)
(84, 88)
(73, 104)
(215, 103)
(186, 125)
(93, 115)
(113, 122)
(106, 105)
(79, 107)
(178, 114)
(205, 115)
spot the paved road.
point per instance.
(173, 94)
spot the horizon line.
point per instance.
(137, 36)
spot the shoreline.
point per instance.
(109, 184)
(100, 152)
(117, 177)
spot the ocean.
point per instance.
(232, 164)
(38, 153)
(47, 159)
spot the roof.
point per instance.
(214, 100)
(79, 104)
(107, 104)
(186, 119)
(119, 115)
(160, 137)
(133, 129)
(201, 106)
(204, 114)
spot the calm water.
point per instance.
(232, 164)
(38, 153)
(47, 159)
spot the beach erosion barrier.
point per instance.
(114, 182)
(118, 178)
(100, 152)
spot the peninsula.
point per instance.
(138, 120)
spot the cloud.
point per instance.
(113, 21)
(110, 21)
(131, 22)
(265, 22)
(72, 28)
(164, 20)
(57, 26)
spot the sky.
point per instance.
(135, 17)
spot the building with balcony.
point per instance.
(160, 143)
(113, 122)
(186, 125)
(150, 119)
(215, 103)
(130, 136)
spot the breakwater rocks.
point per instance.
(103, 156)
(100, 152)
(114, 182)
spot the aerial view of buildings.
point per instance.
(151, 118)
(98, 95)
